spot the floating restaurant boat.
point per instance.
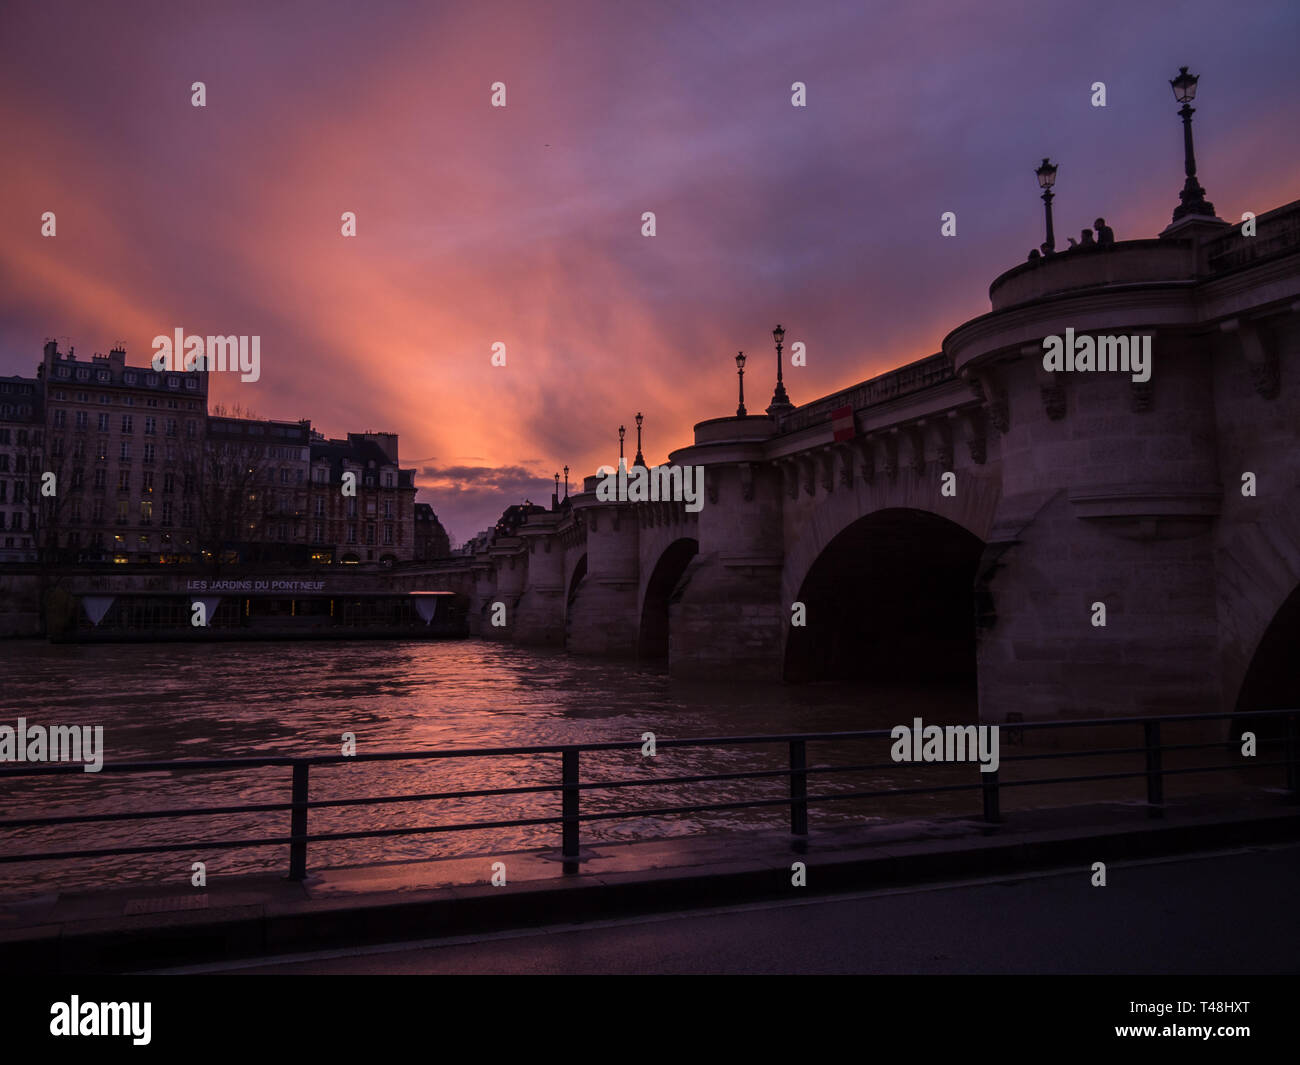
(262, 610)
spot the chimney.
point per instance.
(117, 356)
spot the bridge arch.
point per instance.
(576, 576)
(652, 630)
(891, 597)
(1272, 681)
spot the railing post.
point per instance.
(992, 810)
(298, 824)
(569, 804)
(1155, 781)
(798, 788)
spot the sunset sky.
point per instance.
(523, 224)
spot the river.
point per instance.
(169, 701)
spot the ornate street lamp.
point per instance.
(566, 482)
(780, 401)
(621, 433)
(740, 371)
(638, 461)
(1192, 196)
(1046, 179)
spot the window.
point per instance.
(59, 416)
(17, 515)
(171, 426)
(189, 427)
(76, 478)
(352, 534)
(318, 532)
(4, 463)
(129, 377)
(388, 480)
(128, 423)
(79, 420)
(76, 512)
(320, 506)
(169, 482)
(124, 480)
(104, 399)
(97, 511)
(146, 512)
(321, 474)
(122, 509)
(148, 452)
(83, 374)
(101, 478)
(167, 512)
(284, 475)
(20, 493)
(79, 448)
(187, 513)
(103, 423)
(191, 382)
(370, 534)
(173, 382)
(388, 534)
(352, 506)
(124, 452)
(150, 426)
(388, 509)
(56, 446)
(4, 490)
(148, 481)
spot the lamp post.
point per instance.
(566, 482)
(1192, 196)
(621, 433)
(555, 499)
(1046, 179)
(638, 461)
(740, 372)
(780, 401)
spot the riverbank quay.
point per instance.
(135, 929)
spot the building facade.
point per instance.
(253, 491)
(126, 446)
(21, 439)
(368, 516)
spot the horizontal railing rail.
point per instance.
(570, 786)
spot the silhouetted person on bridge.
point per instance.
(1085, 239)
(1105, 235)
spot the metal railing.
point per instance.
(571, 786)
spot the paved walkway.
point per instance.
(1166, 915)
(132, 929)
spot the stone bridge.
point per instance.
(1071, 543)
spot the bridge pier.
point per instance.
(602, 618)
(539, 616)
(729, 620)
